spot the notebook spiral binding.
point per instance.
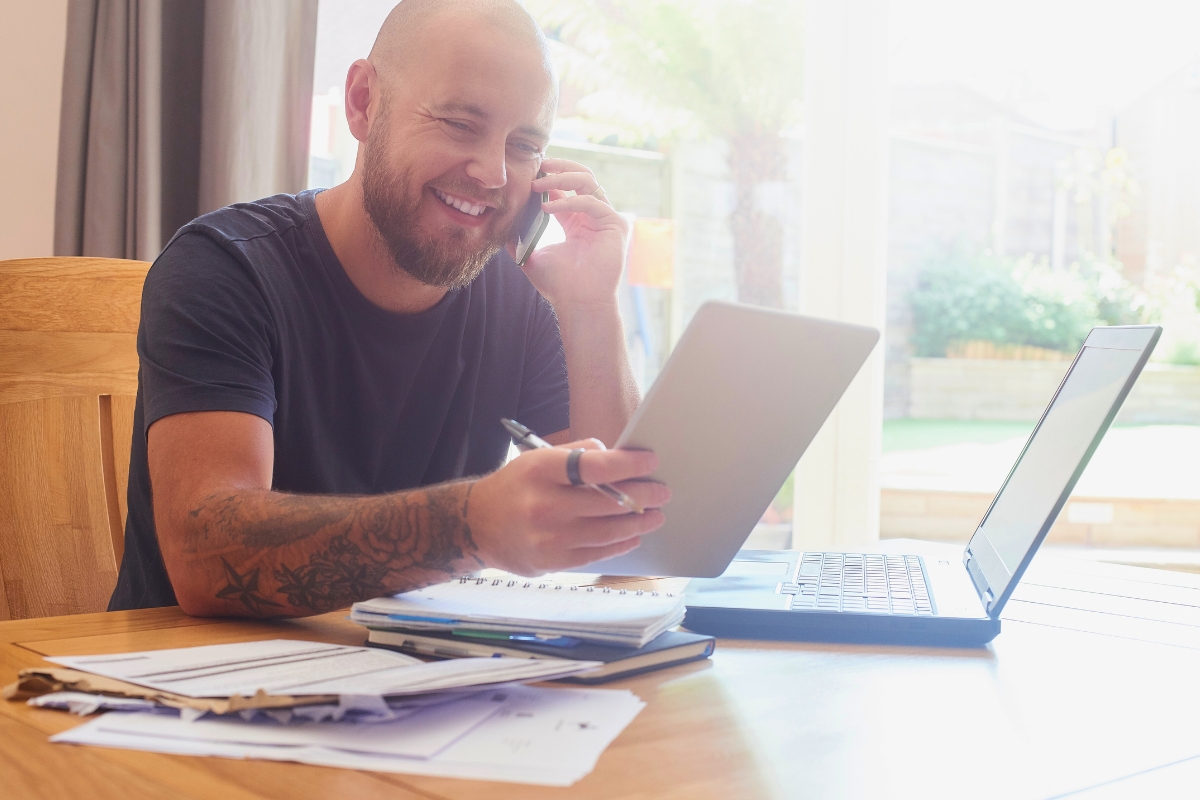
(558, 586)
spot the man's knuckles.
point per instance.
(539, 510)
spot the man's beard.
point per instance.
(393, 204)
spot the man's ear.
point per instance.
(362, 99)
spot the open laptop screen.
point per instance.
(1052, 460)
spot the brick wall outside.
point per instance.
(998, 389)
(1095, 521)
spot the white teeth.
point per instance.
(461, 205)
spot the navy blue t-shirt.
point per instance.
(248, 309)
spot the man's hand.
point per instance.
(580, 277)
(585, 270)
(527, 518)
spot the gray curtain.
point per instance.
(173, 108)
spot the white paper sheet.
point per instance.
(419, 733)
(282, 666)
(551, 737)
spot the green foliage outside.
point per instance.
(1016, 302)
(1185, 353)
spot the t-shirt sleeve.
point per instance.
(206, 337)
(545, 398)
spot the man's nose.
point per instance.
(487, 166)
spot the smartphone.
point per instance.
(531, 225)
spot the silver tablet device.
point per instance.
(739, 400)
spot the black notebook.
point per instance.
(665, 650)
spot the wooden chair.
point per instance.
(68, 378)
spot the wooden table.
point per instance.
(1062, 701)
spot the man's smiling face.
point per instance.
(454, 144)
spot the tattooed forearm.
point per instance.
(440, 517)
(333, 577)
(273, 554)
(298, 516)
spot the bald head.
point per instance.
(400, 38)
(453, 109)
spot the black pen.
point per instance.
(527, 438)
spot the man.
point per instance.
(308, 361)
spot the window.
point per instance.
(1045, 178)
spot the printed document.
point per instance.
(518, 734)
(287, 667)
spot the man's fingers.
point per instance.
(553, 166)
(604, 531)
(588, 555)
(585, 444)
(581, 501)
(595, 465)
(613, 466)
(578, 182)
(579, 444)
(581, 204)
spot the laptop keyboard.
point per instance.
(858, 582)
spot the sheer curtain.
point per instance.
(172, 108)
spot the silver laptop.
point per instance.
(867, 597)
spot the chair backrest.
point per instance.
(68, 378)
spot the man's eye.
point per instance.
(458, 126)
(526, 149)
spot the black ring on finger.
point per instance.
(573, 467)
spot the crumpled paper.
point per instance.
(83, 693)
(37, 681)
(84, 703)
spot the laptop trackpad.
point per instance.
(741, 568)
(744, 584)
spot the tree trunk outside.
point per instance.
(757, 236)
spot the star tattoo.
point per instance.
(244, 588)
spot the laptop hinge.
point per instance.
(981, 585)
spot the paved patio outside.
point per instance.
(1141, 490)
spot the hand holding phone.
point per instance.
(531, 225)
(582, 269)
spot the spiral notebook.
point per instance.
(666, 650)
(627, 617)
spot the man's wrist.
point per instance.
(589, 317)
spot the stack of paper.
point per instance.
(296, 668)
(600, 614)
(518, 734)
